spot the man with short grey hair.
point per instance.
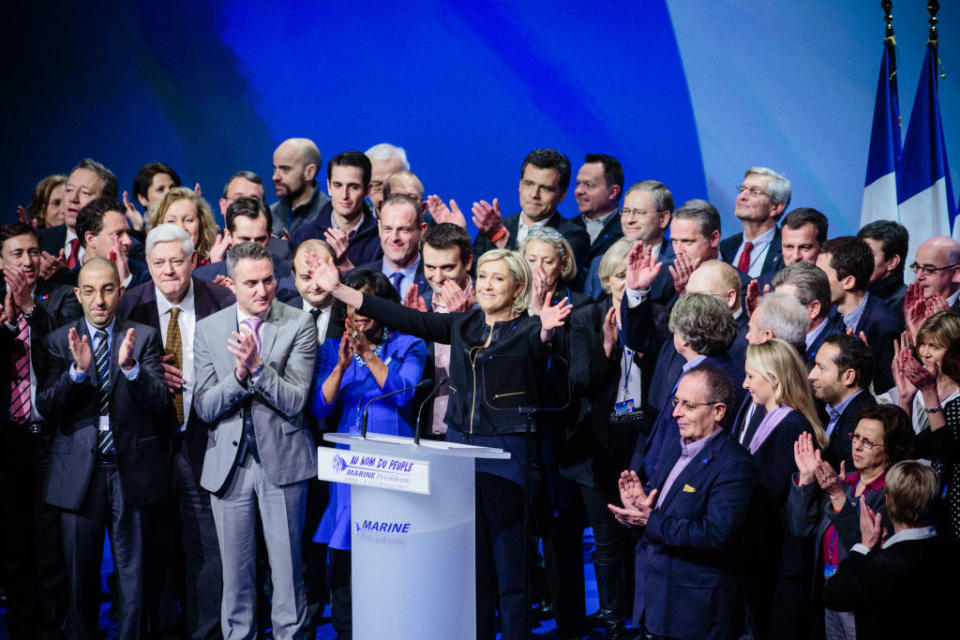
(296, 163)
(779, 316)
(763, 195)
(811, 287)
(254, 363)
(386, 159)
(172, 303)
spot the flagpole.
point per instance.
(933, 6)
(891, 43)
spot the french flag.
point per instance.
(927, 207)
(880, 192)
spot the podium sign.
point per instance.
(369, 470)
(414, 560)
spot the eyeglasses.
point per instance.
(636, 213)
(756, 192)
(856, 437)
(690, 406)
(928, 270)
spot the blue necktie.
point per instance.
(101, 357)
(397, 278)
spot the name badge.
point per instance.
(104, 423)
(829, 570)
(623, 407)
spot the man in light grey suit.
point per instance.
(254, 362)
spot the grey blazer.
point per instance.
(288, 350)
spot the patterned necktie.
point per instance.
(20, 380)
(74, 253)
(254, 325)
(175, 348)
(101, 355)
(744, 263)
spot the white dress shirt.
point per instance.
(187, 322)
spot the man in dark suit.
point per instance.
(904, 585)
(763, 195)
(346, 221)
(544, 178)
(172, 303)
(889, 242)
(841, 376)
(247, 184)
(810, 286)
(848, 263)
(937, 268)
(400, 227)
(645, 216)
(32, 557)
(690, 513)
(249, 220)
(103, 385)
(61, 245)
(598, 189)
(254, 364)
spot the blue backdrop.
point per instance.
(690, 93)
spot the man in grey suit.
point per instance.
(254, 362)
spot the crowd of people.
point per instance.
(760, 425)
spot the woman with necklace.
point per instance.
(368, 361)
(494, 344)
(826, 503)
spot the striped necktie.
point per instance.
(20, 380)
(101, 356)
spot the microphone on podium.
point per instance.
(426, 382)
(433, 392)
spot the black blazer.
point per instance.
(140, 305)
(772, 262)
(53, 239)
(840, 446)
(908, 590)
(576, 236)
(882, 325)
(364, 245)
(611, 232)
(136, 409)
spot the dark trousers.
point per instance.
(32, 554)
(500, 557)
(562, 535)
(315, 553)
(341, 600)
(103, 507)
(183, 565)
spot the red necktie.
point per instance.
(74, 253)
(20, 380)
(744, 263)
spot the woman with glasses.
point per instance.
(825, 503)
(777, 580)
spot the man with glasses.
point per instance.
(848, 263)
(937, 269)
(762, 196)
(841, 376)
(691, 512)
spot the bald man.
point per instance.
(296, 163)
(937, 269)
(103, 389)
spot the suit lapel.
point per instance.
(695, 467)
(268, 333)
(118, 335)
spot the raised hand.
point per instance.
(413, 300)
(50, 264)
(914, 308)
(125, 352)
(902, 351)
(915, 372)
(17, 285)
(220, 246)
(937, 304)
(197, 190)
(337, 240)
(324, 271)
(610, 333)
(344, 353)
(642, 269)
(24, 217)
(359, 342)
(540, 295)
(807, 458)
(637, 505)
(244, 349)
(133, 216)
(456, 299)
(118, 256)
(554, 316)
(487, 218)
(442, 213)
(80, 350)
(225, 281)
(171, 375)
(681, 269)
(829, 480)
(871, 529)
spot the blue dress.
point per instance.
(405, 357)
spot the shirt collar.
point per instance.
(876, 484)
(408, 272)
(918, 533)
(602, 220)
(535, 225)
(71, 234)
(952, 299)
(836, 410)
(692, 363)
(690, 449)
(164, 305)
(852, 319)
(92, 330)
(243, 315)
(814, 333)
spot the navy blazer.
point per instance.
(840, 446)
(832, 329)
(882, 325)
(140, 305)
(772, 262)
(576, 236)
(688, 552)
(611, 232)
(364, 245)
(136, 407)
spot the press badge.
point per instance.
(621, 408)
(104, 423)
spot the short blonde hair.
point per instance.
(560, 245)
(910, 488)
(614, 261)
(208, 227)
(778, 360)
(518, 268)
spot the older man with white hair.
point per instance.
(172, 302)
(386, 159)
(762, 196)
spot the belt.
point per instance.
(33, 427)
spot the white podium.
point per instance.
(414, 560)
